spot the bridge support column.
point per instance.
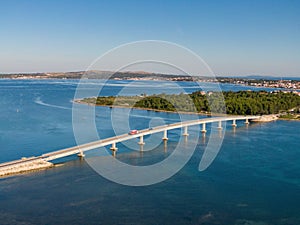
(220, 125)
(185, 131)
(141, 140)
(165, 137)
(80, 154)
(247, 121)
(114, 148)
(203, 128)
(233, 123)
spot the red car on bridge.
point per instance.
(132, 132)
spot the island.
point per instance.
(277, 104)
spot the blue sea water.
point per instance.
(255, 178)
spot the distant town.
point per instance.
(269, 83)
(288, 84)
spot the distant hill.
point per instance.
(95, 74)
(134, 75)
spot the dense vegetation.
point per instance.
(256, 103)
(237, 103)
(291, 115)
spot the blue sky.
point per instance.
(239, 37)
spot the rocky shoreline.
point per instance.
(18, 168)
(266, 118)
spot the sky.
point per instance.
(241, 37)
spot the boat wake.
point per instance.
(40, 102)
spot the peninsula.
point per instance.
(283, 104)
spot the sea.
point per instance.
(254, 179)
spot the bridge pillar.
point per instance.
(141, 140)
(114, 148)
(233, 123)
(80, 154)
(165, 137)
(220, 125)
(203, 128)
(185, 131)
(247, 121)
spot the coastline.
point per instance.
(288, 119)
(79, 101)
(24, 167)
(264, 118)
(28, 77)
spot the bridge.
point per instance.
(44, 160)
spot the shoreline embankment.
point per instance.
(8, 169)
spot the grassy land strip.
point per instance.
(233, 103)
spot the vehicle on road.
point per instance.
(132, 132)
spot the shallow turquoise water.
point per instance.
(255, 178)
